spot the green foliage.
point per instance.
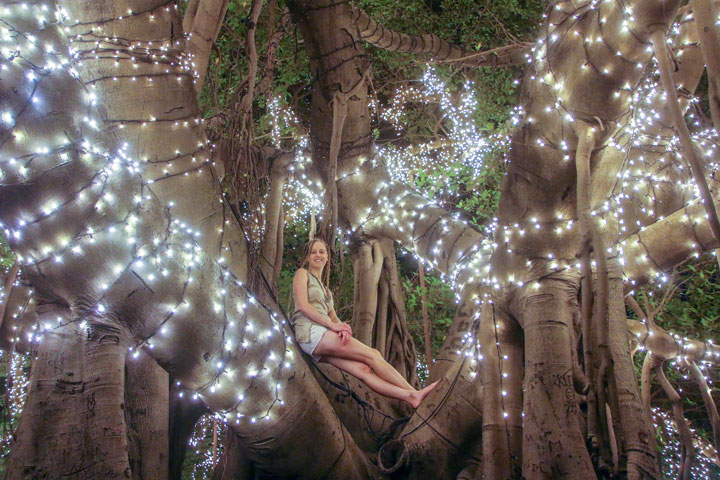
(694, 309)
(471, 24)
(198, 464)
(474, 193)
(692, 312)
(228, 67)
(440, 306)
(7, 259)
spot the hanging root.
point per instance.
(645, 382)
(663, 60)
(686, 443)
(595, 338)
(339, 108)
(709, 403)
(709, 39)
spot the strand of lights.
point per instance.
(17, 383)
(201, 442)
(705, 465)
(122, 211)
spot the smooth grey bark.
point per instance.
(147, 405)
(75, 405)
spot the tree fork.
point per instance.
(369, 417)
(443, 432)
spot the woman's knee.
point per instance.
(374, 356)
(363, 371)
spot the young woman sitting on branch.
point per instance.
(322, 335)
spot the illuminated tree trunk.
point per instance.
(528, 334)
(75, 405)
(147, 407)
(202, 22)
(193, 315)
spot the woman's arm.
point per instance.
(301, 297)
(335, 319)
(345, 334)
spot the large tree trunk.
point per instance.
(187, 319)
(553, 444)
(134, 257)
(75, 405)
(147, 405)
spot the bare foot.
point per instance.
(418, 396)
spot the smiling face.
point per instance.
(317, 258)
(318, 255)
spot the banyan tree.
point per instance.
(144, 301)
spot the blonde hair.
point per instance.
(325, 275)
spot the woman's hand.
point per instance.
(343, 330)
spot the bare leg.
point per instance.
(375, 382)
(330, 344)
(365, 373)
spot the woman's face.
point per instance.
(318, 255)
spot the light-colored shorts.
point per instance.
(316, 333)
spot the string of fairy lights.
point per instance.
(119, 194)
(178, 252)
(636, 180)
(704, 466)
(209, 429)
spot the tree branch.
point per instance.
(203, 28)
(440, 50)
